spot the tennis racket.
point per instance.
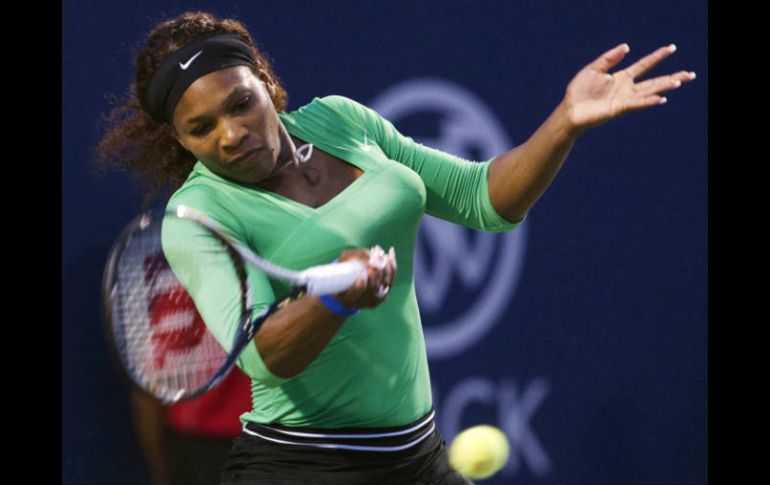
(154, 327)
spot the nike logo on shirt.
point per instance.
(187, 64)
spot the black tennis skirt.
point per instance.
(414, 454)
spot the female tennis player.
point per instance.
(340, 385)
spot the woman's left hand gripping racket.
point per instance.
(155, 329)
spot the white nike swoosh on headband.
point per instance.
(187, 64)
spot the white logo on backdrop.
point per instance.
(487, 262)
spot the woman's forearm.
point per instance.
(296, 334)
(293, 336)
(519, 177)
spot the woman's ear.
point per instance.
(267, 80)
(176, 135)
(270, 85)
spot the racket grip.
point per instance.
(332, 278)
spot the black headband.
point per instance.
(183, 67)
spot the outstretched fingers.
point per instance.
(649, 61)
(611, 58)
(643, 102)
(663, 83)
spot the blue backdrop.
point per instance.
(583, 334)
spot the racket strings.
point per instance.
(160, 336)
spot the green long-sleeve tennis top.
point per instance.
(374, 372)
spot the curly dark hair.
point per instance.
(132, 139)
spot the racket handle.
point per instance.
(333, 277)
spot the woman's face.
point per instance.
(227, 120)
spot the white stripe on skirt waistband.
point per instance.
(417, 426)
(348, 447)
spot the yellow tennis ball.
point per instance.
(479, 451)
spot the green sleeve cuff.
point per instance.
(494, 222)
(252, 364)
